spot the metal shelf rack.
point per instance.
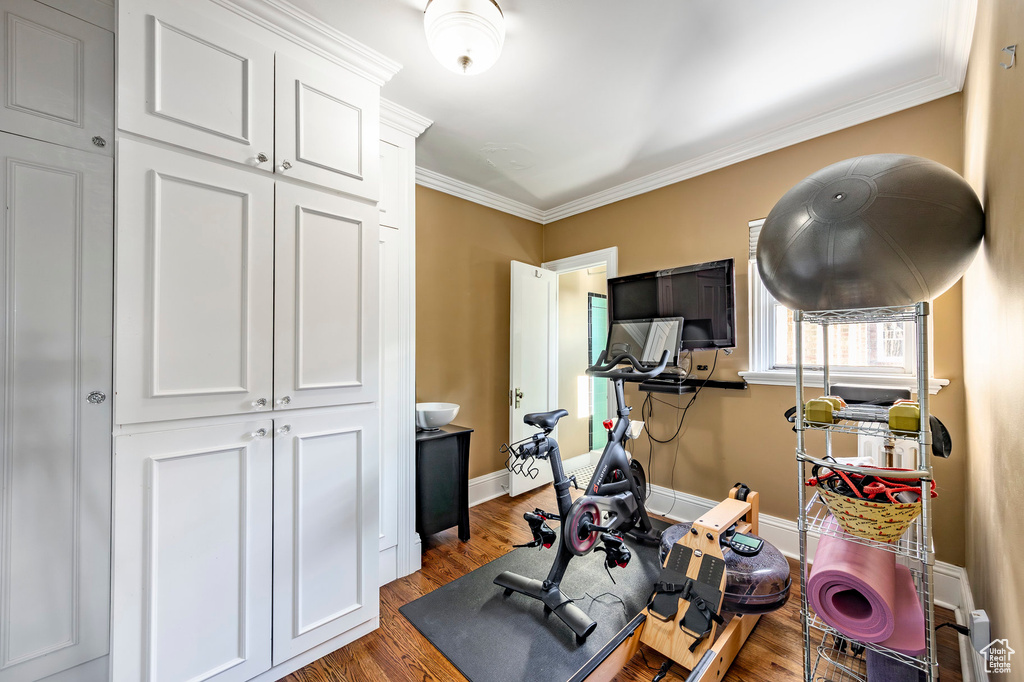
(832, 660)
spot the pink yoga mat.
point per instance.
(863, 593)
(908, 635)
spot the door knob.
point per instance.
(96, 397)
(259, 433)
(285, 165)
(285, 400)
(519, 397)
(261, 158)
(282, 430)
(259, 402)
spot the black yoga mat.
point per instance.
(493, 638)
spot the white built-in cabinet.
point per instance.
(205, 79)
(247, 471)
(195, 287)
(399, 543)
(325, 299)
(325, 564)
(56, 310)
(193, 553)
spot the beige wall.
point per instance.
(463, 279)
(734, 436)
(994, 324)
(573, 348)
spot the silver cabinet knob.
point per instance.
(96, 397)
(259, 433)
(285, 400)
(261, 158)
(259, 402)
(99, 141)
(281, 430)
(285, 165)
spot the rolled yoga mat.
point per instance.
(864, 594)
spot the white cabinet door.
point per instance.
(192, 554)
(325, 527)
(327, 126)
(59, 77)
(56, 271)
(194, 287)
(326, 299)
(202, 80)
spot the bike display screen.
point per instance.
(646, 340)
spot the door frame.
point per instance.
(610, 259)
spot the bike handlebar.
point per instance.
(635, 372)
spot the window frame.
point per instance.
(763, 370)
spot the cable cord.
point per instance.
(648, 405)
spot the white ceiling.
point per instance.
(595, 100)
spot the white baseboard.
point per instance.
(487, 487)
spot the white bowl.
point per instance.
(432, 416)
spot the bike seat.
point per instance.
(545, 420)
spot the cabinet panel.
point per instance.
(192, 554)
(391, 203)
(59, 83)
(203, 81)
(326, 299)
(56, 269)
(325, 527)
(327, 126)
(195, 278)
(394, 429)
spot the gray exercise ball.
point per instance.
(873, 231)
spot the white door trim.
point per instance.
(609, 256)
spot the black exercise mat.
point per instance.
(493, 638)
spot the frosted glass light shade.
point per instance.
(464, 35)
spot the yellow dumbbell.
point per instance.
(821, 410)
(905, 416)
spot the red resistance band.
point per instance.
(867, 487)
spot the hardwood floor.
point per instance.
(397, 652)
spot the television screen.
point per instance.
(704, 295)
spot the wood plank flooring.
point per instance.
(397, 652)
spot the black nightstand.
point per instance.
(442, 480)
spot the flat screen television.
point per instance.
(704, 295)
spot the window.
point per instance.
(880, 354)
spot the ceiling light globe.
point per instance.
(464, 35)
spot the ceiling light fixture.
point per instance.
(465, 35)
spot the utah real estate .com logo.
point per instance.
(997, 656)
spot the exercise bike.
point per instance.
(612, 505)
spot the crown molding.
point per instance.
(402, 119)
(951, 70)
(478, 195)
(305, 30)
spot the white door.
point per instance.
(59, 83)
(396, 426)
(328, 126)
(198, 79)
(326, 310)
(56, 270)
(325, 526)
(192, 554)
(195, 278)
(534, 354)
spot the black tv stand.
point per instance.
(679, 386)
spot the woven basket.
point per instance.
(882, 522)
